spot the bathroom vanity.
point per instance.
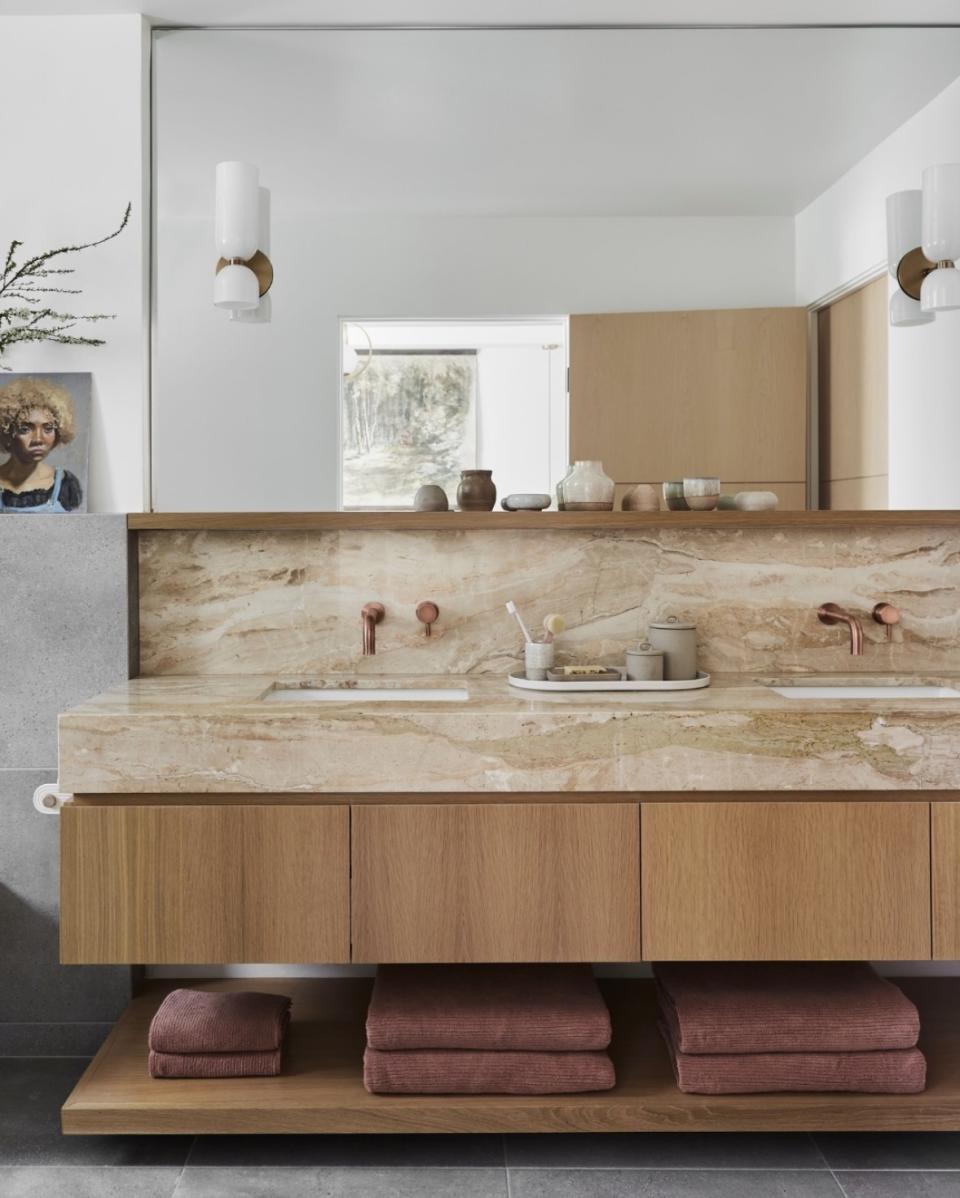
(217, 818)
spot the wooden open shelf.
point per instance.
(321, 1089)
(540, 521)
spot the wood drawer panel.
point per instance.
(945, 857)
(531, 882)
(786, 881)
(204, 884)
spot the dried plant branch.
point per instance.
(19, 286)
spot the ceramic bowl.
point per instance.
(701, 494)
(525, 501)
(673, 497)
(756, 501)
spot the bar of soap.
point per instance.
(573, 671)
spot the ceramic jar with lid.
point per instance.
(644, 663)
(677, 639)
(477, 491)
(587, 489)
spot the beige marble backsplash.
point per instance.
(289, 603)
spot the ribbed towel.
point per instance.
(546, 1008)
(748, 1007)
(215, 1064)
(895, 1071)
(191, 1021)
(456, 1071)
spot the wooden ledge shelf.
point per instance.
(514, 521)
(321, 1089)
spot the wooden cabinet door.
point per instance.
(204, 884)
(945, 855)
(496, 882)
(805, 881)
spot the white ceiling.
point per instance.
(570, 122)
(500, 12)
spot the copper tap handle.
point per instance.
(887, 615)
(427, 613)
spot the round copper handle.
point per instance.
(427, 613)
(888, 615)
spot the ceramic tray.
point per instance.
(518, 678)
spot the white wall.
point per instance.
(841, 237)
(245, 415)
(73, 152)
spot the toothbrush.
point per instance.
(553, 624)
(512, 609)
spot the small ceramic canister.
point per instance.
(701, 494)
(645, 664)
(537, 658)
(678, 641)
(673, 496)
(641, 498)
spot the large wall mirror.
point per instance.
(662, 249)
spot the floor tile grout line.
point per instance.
(506, 1167)
(183, 1168)
(823, 1156)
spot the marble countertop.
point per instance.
(210, 734)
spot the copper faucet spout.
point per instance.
(370, 616)
(832, 613)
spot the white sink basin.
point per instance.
(363, 694)
(866, 692)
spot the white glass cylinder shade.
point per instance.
(235, 288)
(905, 312)
(237, 209)
(903, 226)
(941, 236)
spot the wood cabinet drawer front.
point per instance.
(204, 884)
(775, 881)
(496, 882)
(945, 844)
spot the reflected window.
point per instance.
(422, 401)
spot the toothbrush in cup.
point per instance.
(512, 609)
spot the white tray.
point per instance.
(518, 679)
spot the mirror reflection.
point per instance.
(665, 252)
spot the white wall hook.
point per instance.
(48, 798)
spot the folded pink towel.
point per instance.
(894, 1071)
(751, 1007)
(201, 1021)
(215, 1064)
(488, 1007)
(457, 1071)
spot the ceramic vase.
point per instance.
(587, 489)
(477, 491)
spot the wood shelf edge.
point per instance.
(525, 521)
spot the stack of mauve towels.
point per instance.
(750, 1028)
(198, 1033)
(487, 1029)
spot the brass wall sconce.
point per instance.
(923, 247)
(244, 272)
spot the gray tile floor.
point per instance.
(37, 1162)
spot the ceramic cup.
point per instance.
(701, 494)
(673, 497)
(537, 659)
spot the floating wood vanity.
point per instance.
(208, 827)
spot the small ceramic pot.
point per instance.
(678, 641)
(526, 501)
(537, 658)
(756, 501)
(641, 498)
(673, 497)
(701, 494)
(644, 664)
(477, 491)
(727, 503)
(431, 498)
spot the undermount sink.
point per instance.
(364, 694)
(881, 691)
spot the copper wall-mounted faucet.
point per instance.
(428, 613)
(832, 613)
(370, 616)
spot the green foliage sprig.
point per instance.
(24, 315)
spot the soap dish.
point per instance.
(600, 674)
(612, 681)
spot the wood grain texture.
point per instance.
(321, 1088)
(668, 394)
(204, 884)
(538, 882)
(537, 521)
(786, 881)
(852, 392)
(945, 863)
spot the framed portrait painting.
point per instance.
(44, 442)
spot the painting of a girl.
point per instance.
(38, 416)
